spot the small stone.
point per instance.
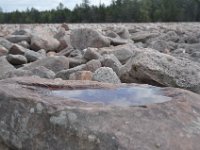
(106, 74)
(16, 59)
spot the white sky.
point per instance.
(10, 5)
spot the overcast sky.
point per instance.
(10, 5)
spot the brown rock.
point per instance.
(33, 117)
(3, 51)
(81, 75)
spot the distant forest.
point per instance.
(117, 11)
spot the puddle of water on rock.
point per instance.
(123, 96)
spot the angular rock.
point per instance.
(85, 37)
(81, 75)
(16, 59)
(76, 54)
(156, 68)
(143, 36)
(32, 56)
(5, 66)
(111, 61)
(93, 65)
(55, 64)
(43, 72)
(106, 74)
(64, 38)
(17, 50)
(123, 32)
(91, 53)
(65, 74)
(44, 42)
(122, 52)
(73, 62)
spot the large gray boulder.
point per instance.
(152, 67)
(106, 74)
(84, 37)
(56, 63)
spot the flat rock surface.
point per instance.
(32, 117)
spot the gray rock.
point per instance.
(33, 56)
(65, 74)
(73, 62)
(44, 42)
(122, 32)
(43, 72)
(76, 53)
(111, 61)
(18, 38)
(42, 52)
(93, 65)
(122, 52)
(17, 73)
(16, 59)
(55, 64)
(64, 38)
(106, 74)
(85, 37)
(24, 44)
(91, 53)
(143, 36)
(5, 43)
(5, 66)
(160, 69)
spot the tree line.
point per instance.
(117, 11)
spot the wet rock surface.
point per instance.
(160, 55)
(29, 108)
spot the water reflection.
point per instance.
(124, 96)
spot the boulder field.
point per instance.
(100, 86)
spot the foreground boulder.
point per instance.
(152, 67)
(5, 66)
(56, 64)
(85, 37)
(31, 117)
